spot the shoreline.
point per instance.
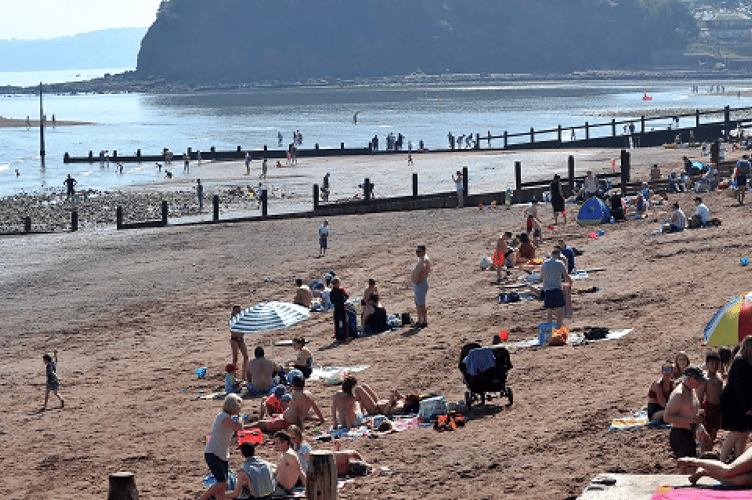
(21, 123)
(290, 188)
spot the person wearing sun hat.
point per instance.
(683, 412)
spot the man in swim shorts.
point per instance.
(683, 411)
(302, 402)
(553, 271)
(259, 374)
(419, 278)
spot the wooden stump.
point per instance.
(321, 481)
(122, 487)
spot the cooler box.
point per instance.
(253, 436)
(431, 408)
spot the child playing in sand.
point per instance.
(231, 382)
(53, 383)
(273, 405)
(533, 224)
(681, 361)
(709, 395)
(503, 256)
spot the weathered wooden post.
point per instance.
(465, 182)
(119, 217)
(532, 136)
(138, 154)
(505, 138)
(341, 145)
(164, 213)
(114, 154)
(642, 124)
(727, 121)
(415, 185)
(321, 481)
(517, 176)
(587, 131)
(558, 134)
(123, 486)
(315, 197)
(27, 224)
(367, 189)
(697, 118)
(625, 169)
(74, 221)
(571, 175)
(613, 127)
(215, 207)
(264, 206)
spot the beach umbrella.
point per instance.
(731, 323)
(267, 316)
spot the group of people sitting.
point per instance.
(698, 402)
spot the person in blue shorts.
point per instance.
(323, 237)
(553, 271)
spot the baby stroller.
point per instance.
(484, 370)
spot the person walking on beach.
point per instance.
(70, 184)
(264, 169)
(419, 278)
(186, 163)
(53, 383)
(200, 194)
(557, 200)
(323, 238)
(460, 185)
(248, 163)
(743, 168)
(552, 272)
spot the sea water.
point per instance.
(251, 119)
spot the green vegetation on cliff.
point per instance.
(293, 40)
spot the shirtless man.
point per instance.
(345, 406)
(296, 413)
(419, 278)
(288, 470)
(259, 374)
(303, 295)
(709, 396)
(350, 462)
(370, 402)
(683, 411)
(371, 290)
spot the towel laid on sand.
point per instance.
(696, 493)
(574, 338)
(637, 420)
(329, 372)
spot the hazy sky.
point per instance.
(32, 19)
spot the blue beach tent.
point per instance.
(593, 213)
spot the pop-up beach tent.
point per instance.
(593, 213)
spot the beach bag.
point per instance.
(507, 298)
(406, 320)
(559, 336)
(432, 407)
(544, 333)
(485, 263)
(597, 333)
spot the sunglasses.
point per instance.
(668, 370)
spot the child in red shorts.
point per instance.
(709, 394)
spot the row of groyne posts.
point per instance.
(523, 192)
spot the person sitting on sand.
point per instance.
(288, 470)
(302, 403)
(260, 372)
(273, 404)
(374, 316)
(683, 411)
(371, 403)
(526, 250)
(677, 222)
(256, 475)
(345, 406)
(303, 295)
(737, 473)
(301, 446)
(304, 359)
(350, 462)
(372, 288)
(709, 395)
(659, 393)
(655, 173)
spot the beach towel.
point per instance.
(697, 493)
(574, 338)
(479, 360)
(329, 373)
(637, 420)
(301, 491)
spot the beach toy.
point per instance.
(744, 261)
(209, 480)
(201, 372)
(551, 228)
(593, 235)
(503, 335)
(253, 436)
(600, 232)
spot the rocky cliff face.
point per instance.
(293, 40)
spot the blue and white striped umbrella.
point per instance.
(268, 316)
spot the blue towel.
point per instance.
(479, 360)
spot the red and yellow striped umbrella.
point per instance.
(731, 323)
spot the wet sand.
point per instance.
(19, 123)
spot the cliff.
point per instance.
(294, 40)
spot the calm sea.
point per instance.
(252, 119)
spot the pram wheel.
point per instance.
(468, 399)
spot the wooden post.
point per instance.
(41, 125)
(613, 127)
(321, 483)
(27, 224)
(517, 176)
(642, 124)
(587, 131)
(164, 213)
(727, 121)
(625, 169)
(697, 118)
(571, 175)
(505, 138)
(559, 134)
(123, 486)
(74, 221)
(465, 183)
(367, 189)
(264, 206)
(119, 217)
(415, 185)
(315, 197)
(477, 141)
(532, 136)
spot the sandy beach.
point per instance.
(133, 313)
(21, 122)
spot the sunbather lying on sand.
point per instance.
(371, 403)
(350, 462)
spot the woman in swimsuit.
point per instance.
(659, 392)
(681, 361)
(237, 343)
(304, 361)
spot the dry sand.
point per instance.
(135, 312)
